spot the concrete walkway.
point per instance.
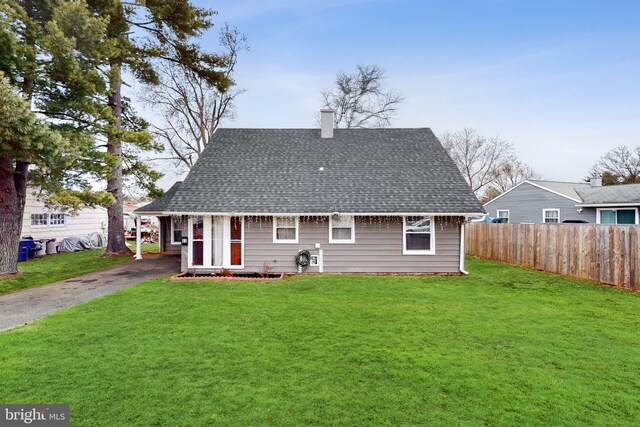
(20, 307)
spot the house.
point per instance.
(536, 202)
(359, 200)
(149, 224)
(40, 222)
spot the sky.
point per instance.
(559, 79)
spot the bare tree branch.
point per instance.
(359, 100)
(620, 165)
(489, 165)
(190, 109)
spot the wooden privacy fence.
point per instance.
(608, 254)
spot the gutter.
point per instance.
(607, 205)
(169, 213)
(462, 251)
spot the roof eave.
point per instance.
(604, 205)
(170, 213)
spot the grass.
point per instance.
(51, 268)
(503, 346)
(145, 248)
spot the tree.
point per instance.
(512, 173)
(488, 164)
(31, 153)
(25, 142)
(190, 107)
(136, 35)
(360, 100)
(620, 165)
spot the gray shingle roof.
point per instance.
(296, 171)
(161, 203)
(611, 194)
(569, 189)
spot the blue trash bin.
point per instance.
(23, 251)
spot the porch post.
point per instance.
(138, 237)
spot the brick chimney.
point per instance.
(326, 123)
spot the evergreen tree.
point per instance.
(32, 153)
(138, 35)
(24, 141)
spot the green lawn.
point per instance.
(51, 268)
(503, 346)
(145, 248)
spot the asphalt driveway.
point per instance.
(19, 308)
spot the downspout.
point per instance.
(138, 238)
(462, 250)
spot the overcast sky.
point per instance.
(560, 79)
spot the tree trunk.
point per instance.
(13, 188)
(116, 244)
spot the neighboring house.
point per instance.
(360, 200)
(42, 223)
(556, 202)
(148, 222)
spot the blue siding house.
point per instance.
(538, 202)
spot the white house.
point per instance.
(42, 223)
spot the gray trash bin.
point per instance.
(52, 247)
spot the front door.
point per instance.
(216, 241)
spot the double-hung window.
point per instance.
(176, 230)
(551, 216)
(503, 213)
(418, 235)
(342, 229)
(285, 229)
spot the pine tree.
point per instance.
(138, 34)
(24, 141)
(34, 154)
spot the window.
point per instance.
(503, 213)
(43, 219)
(342, 229)
(217, 240)
(197, 240)
(236, 240)
(285, 230)
(39, 220)
(617, 216)
(56, 219)
(418, 236)
(551, 216)
(176, 230)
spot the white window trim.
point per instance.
(190, 244)
(503, 210)
(227, 243)
(48, 217)
(172, 229)
(432, 235)
(544, 215)
(353, 231)
(275, 231)
(598, 210)
(206, 237)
